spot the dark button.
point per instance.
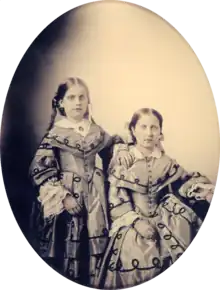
(161, 226)
(111, 267)
(81, 128)
(111, 205)
(115, 251)
(137, 180)
(119, 236)
(66, 141)
(105, 232)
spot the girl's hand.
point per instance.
(117, 139)
(204, 191)
(71, 205)
(124, 158)
(145, 230)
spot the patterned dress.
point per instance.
(157, 192)
(65, 164)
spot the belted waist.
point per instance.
(67, 175)
(148, 212)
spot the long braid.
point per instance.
(52, 118)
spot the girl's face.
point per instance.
(147, 131)
(75, 102)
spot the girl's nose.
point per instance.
(149, 131)
(77, 100)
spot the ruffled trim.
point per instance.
(51, 196)
(201, 191)
(64, 138)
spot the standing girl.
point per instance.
(73, 232)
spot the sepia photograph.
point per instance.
(110, 145)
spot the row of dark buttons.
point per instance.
(150, 196)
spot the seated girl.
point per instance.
(152, 222)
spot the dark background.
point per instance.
(17, 24)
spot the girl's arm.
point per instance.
(191, 185)
(122, 213)
(107, 153)
(44, 173)
(121, 208)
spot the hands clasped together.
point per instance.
(71, 205)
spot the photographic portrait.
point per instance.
(110, 142)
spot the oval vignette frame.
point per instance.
(137, 2)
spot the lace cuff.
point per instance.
(200, 191)
(51, 197)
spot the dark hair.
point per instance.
(61, 91)
(137, 115)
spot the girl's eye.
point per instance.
(82, 97)
(71, 97)
(143, 126)
(154, 128)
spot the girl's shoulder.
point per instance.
(97, 129)
(100, 133)
(165, 158)
(62, 137)
(57, 131)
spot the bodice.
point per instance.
(143, 181)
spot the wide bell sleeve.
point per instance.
(190, 185)
(121, 209)
(107, 153)
(119, 202)
(44, 174)
(119, 195)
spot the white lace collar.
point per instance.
(157, 153)
(81, 127)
